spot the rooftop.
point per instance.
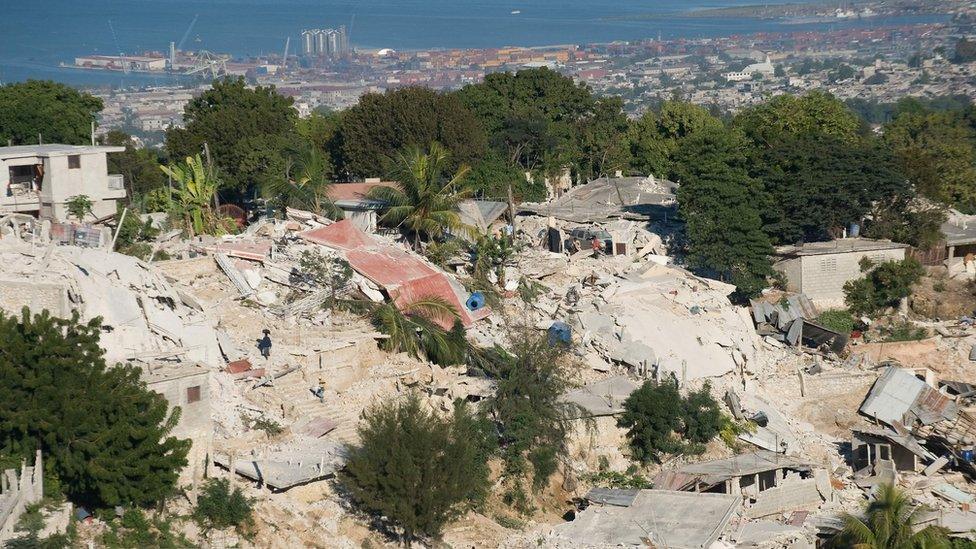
(960, 229)
(681, 520)
(839, 246)
(54, 149)
(744, 465)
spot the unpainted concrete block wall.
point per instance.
(791, 495)
(823, 276)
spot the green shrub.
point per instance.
(883, 285)
(532, 420)
(659, 421)
(134, 529)
(838, 320)
(618, 480)
(903, 331)
(414, 471)
(219, 507)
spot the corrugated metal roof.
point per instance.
(405, 276)
(899, 396)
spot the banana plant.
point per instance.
(194, 195)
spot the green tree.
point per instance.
(538, 113)
(194, 196)
(904, 218)
(937, 151)
(883, 285)
(719, 203)
(248, 131)
(819, 184)
(890, 521)
(532, 420)
(817, 113)
(659, 421)
(425, 201)
(658, 134)
(602, 140)
(416, 471)
(105, 437)
(219, 507)
(493, 176)
(56, 112)
(139, 167)
(381, 125)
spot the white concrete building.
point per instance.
(40, 179)
(820, 269)
(766, 69)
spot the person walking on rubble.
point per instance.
(264, 345)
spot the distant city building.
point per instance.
(766, 69)
(328, 43)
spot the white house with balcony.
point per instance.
(41, 179)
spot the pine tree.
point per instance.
(105, 437)
(720, 205)
(416, 470)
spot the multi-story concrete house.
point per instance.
(41, 179)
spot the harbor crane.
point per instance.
(208, 62)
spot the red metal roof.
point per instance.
(355, 191)
(342, 235)
(405, 276)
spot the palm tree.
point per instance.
(194, 197)
(306, 184)
(417, 330)
(425, 202)
(890, 522)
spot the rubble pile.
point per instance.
(143, 316)
(822, 420)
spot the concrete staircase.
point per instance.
(294, 391)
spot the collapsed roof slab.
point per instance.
(680, 520)
(720, 470)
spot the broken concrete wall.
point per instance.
(17, 492)
(36, 295)
(141, 313)
(793, 494)
(188, 388)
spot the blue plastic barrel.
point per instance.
(967, 456)
(560, 332)
(475, 301)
